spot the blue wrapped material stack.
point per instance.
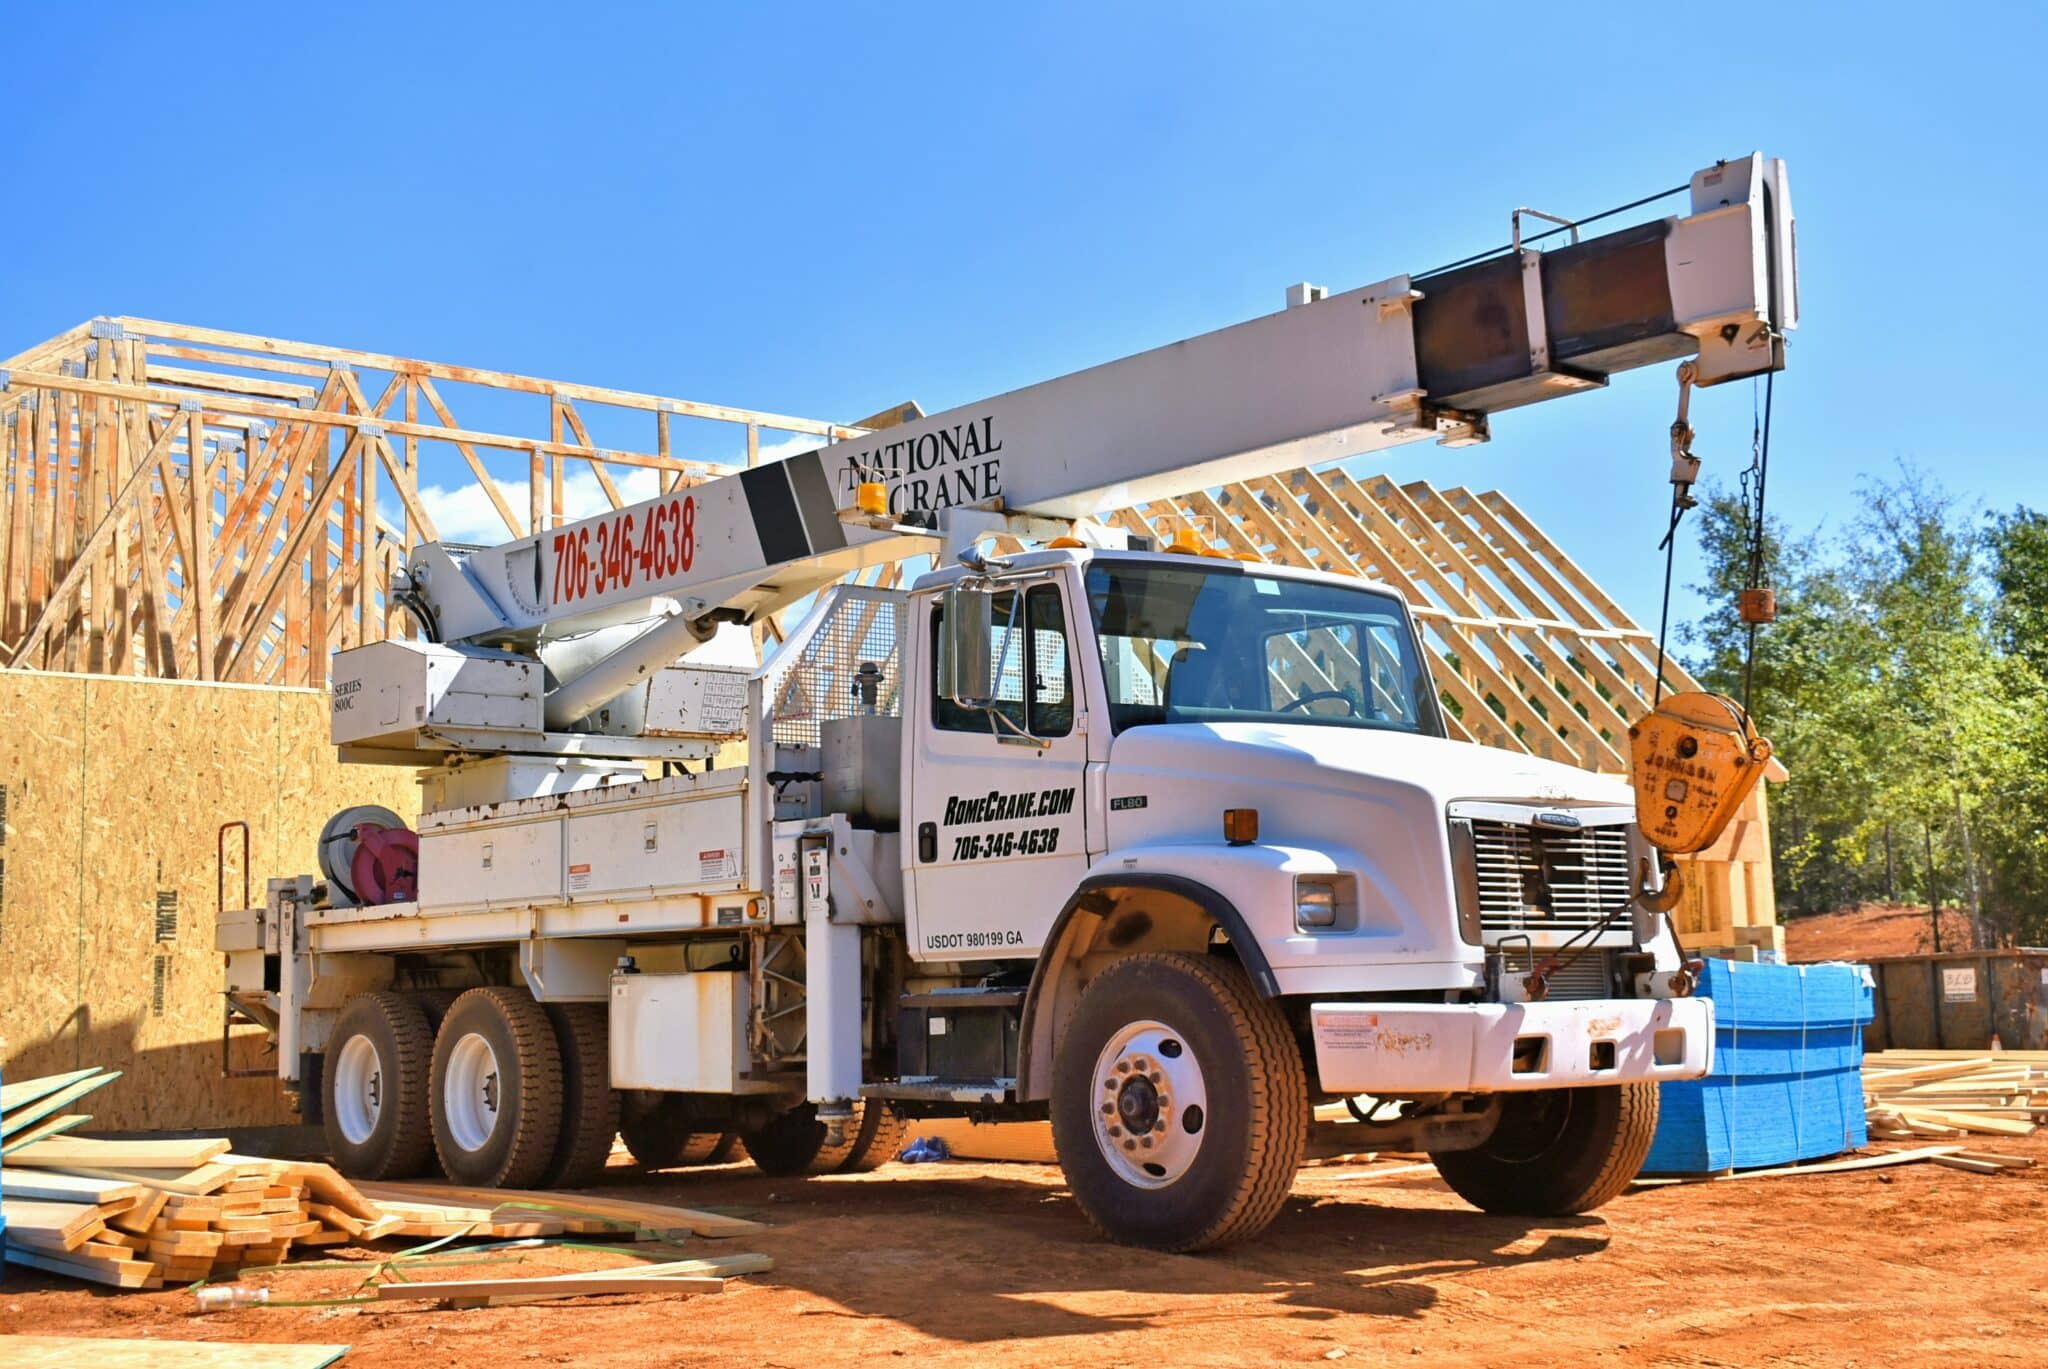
(1786, 1082)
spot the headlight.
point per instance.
(1315, 903)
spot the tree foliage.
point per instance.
(1905, 685)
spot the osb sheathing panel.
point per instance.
(116, 790)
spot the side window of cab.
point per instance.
(1033, 674)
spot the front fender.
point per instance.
(1220, 880)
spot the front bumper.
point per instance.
(1401, 1048)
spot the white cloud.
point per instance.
(463, 513)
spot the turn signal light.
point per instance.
(1240, 826)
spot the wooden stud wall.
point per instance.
(188, 503)
(115, 790)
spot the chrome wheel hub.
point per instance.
(1151, 1104)
(470, 1095)
(358, 1090)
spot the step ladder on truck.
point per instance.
(1164, 846)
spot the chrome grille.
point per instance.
(1534, 880)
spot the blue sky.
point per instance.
(821, 210)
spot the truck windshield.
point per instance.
(1219, 642)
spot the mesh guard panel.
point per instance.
(812, 681)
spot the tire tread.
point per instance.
(590, 1107)
(538, 1123)
(1277, 1111)
(412, 1143)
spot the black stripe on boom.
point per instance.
(773, 506)
(814, 498)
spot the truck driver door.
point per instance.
(996, 844)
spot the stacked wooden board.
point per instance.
(1914, 1094)
(35, 1109)
(141, 1214)
(138, 1214)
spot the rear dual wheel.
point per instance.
(487, 1079)
(659, 1131)
(496, 1091)
(374, 1104)
(870, 1139)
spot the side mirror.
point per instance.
(967, 646)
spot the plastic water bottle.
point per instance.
(222, 1297)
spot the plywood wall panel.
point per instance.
(40, 764)
(106, 955)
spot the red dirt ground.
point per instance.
(1874, 929)
(990, 1264)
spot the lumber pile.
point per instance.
(142, 1214)
(1911, 1095)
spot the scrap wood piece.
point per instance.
(1993, 1157)
(70, 1223)
(111, 1196)
(1395, 1172)
(614, 1211)
(22, 1117)
(194, 1183)
(479, 1292)
(23, 1091)
(723, 1267)
(70, 1121)
(323, 1181)
(1968, 1121)
(116, 1273)
(1878, 1161)
(422, 1220)
(1964, 1162)
(75, 1151)
(68, 1352)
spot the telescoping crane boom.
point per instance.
(1333, 376)
(1167, 849)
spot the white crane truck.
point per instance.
(1167, 847)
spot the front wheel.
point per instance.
(1557, 1152)
(1179, 1105)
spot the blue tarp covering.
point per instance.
(1787, 1077)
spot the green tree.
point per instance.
(1904, 688)
(2014, 825)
